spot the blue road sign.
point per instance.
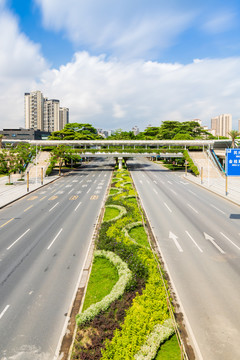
(233, 162)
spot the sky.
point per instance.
(116, 64)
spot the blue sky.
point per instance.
(122, 63)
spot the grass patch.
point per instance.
(103, 277)
(110, 213)
(131, 200)
(139, 235)
(169, 350)
(113, 191)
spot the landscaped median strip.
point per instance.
(125, 276)
(139, 319)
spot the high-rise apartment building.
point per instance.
(222, 125)
(33, 108)
(63, 117)
(44, 114)
(51, 115)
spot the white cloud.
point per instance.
(125, 29)
(112, 94)
(20, 65)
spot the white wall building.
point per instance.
(44, 114)
(222, 124)
(33, 109)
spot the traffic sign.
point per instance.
(233, 162)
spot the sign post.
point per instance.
(232, 163)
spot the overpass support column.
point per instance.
(120, 159)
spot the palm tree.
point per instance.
(1, 136)
(233, 134)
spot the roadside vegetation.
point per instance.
(15, 159)
(125, 315)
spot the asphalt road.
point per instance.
(199, 237)
(44, 239)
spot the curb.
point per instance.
(29, 192)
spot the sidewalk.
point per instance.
(10, 193)
(218, 186)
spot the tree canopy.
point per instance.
(75, 131)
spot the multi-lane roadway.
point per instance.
(198, 234)
(44, 239)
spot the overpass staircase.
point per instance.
(42, 161)
(205, 161)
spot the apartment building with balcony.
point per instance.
(44, 114)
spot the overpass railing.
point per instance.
(216, 161)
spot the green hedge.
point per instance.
(191, 165)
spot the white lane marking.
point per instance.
(70, 191)
(68, 185)
(77, 206)
(194, 241)
(174, 238)
(54, 206)
(155, 181)
(18, 239)
(184, 183)
(95, 181)
(79, 191)
(174, 192)
(80, 181)
(222, 212)
(55, 238)
(84, 185)
(60, 192)
(155, 191)
(169, 182)
(105, 175)
(88, 190)
(192, 208)
(140, 181)
(3, 312)
(192, 192)
(30, 292)
(75, 181)
(210, 238)
(168, 207)
(230, 241)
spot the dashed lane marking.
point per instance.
(54, 197)
(54, 206)
(18, 239)
(7, 222)
(32, 198)
(28, 208)
(3, 312)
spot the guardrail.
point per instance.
(216, 161)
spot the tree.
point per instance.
(63, 153)
(75, 131)
(8, 162)
(1, 137)
(119, 134)
(233, 134)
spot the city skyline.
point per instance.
(120, 64)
